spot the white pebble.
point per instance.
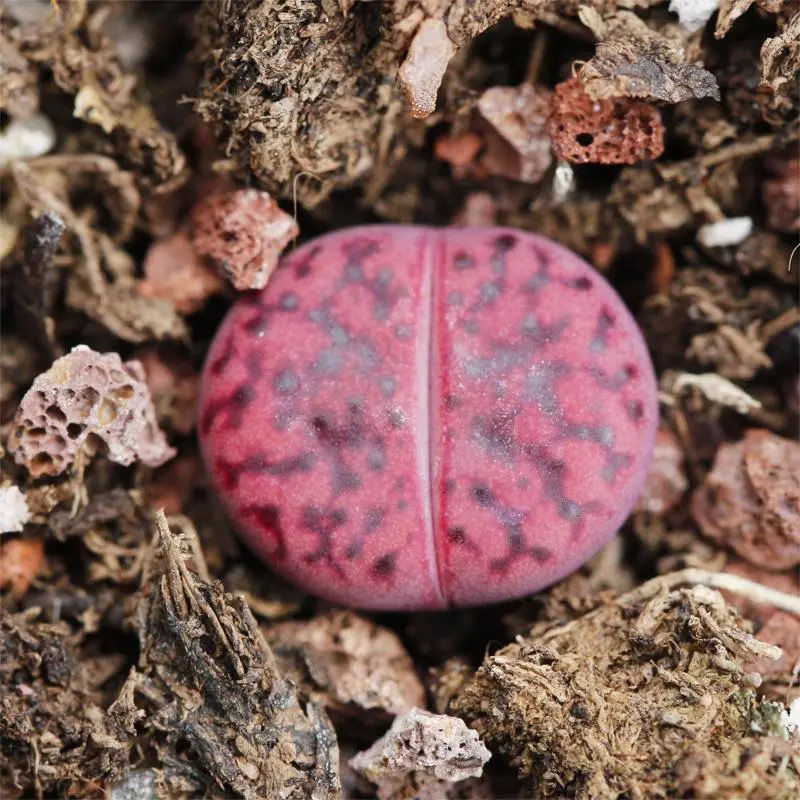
(13, 510)
(791, 717)
(726, 232)
(26, 138)
(693, 14)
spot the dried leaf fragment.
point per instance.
(602, 131)
(750, 501)
(420, 75)
(209, 695)
(780, 64)
(242, 233)
(632, 60)
(518, 146)
(421, 755)
(86, 398)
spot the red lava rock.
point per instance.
(459, 151)
(783, 630)
(242, 233)
(750, 501)
(21, 560)
(418, 418)
(614, 130)
(173, 385)
(420, 75)
(175, 272)
(666, 482)
(517, 144)
(86, 399)
(788, 582)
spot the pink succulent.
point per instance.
(413, 418)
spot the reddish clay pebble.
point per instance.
(412, 418)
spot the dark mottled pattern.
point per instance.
(232, 406)
(268, 518)
(384, 566)
(324, 522)
(230, 473)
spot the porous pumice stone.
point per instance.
(418, 418)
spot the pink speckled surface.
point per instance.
(417, 418)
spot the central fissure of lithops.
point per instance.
(426, 359)
(415, 418)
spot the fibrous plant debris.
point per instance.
(603, 131)
(325, 92)
(208, 694)
(70, 44)
(750, 501)
(102, 284)
(86, 399)
(657, 672)
(421, 755)
(352, 667)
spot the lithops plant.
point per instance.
(418, 418)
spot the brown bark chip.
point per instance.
(350, 665)
(750, 501)
(633, 60)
